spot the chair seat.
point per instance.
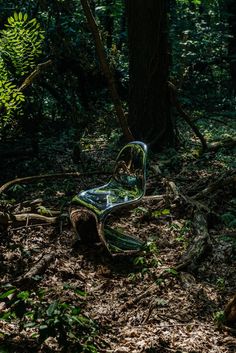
(126, 186)
(112, 195)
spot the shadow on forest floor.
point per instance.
(80, 296)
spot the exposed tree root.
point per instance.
(199, 245)
(226, 179)
(228, 143)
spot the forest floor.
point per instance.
(56, 294)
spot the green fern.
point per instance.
(20, 45)
(22, 41)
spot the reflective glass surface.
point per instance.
(127, 184)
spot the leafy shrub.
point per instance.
(43, 318)
(20, 45)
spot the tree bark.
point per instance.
(150, 117)
(199, 245)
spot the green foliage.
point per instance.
(219, 317)
(20, 46)
(220, 282)
(149, 257)
(229, 217)
(182, 232)
(195, 2)
(200, 38)
(60, 319)
(21, 40)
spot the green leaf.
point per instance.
(10, 20)
(52, 307)
(80, 292)
(172, 271)
(29, 324)
(6, 294)
(15, 16)
(23, 295)
(165, 211)
(76, 311)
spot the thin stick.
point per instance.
(106, 70)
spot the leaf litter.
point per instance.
(139, 304)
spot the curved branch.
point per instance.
(46, 176)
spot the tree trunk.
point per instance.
(149, 107)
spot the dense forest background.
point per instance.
(72, 92)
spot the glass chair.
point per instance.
(126, 187)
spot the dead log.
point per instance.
(199, 246)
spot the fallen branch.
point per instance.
(38, 268)
(26, 217)
(153, 198)
(34, 178)
(6, 218)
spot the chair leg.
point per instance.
(87, 227)
(84, 223)
(100, 229)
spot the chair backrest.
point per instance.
(130, 167)
(126, 186)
